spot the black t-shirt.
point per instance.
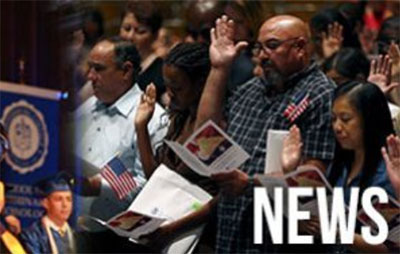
(153, 73)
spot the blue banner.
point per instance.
(31, 116)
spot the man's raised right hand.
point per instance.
(223, 49)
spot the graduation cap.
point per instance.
(60, 182)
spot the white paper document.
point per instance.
(210, 150)
(274, 150)
(166, 197)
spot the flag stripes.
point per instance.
(119, 178)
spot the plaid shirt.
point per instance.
(251, 111)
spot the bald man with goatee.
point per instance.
(291, 91)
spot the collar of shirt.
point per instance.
(342, 181)
(52, 225)
(378, 176)
(124, 105)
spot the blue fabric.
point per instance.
(35, 240)
(55, 184)
(380, 179)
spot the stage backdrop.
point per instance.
(31, 117)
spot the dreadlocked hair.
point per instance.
(191, 58)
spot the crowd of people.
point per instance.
(341, 70)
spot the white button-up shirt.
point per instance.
(103, 132)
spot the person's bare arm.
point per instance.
(391, 155)
(291, 153)
(143, 115)
(291, 150)
(223, 51)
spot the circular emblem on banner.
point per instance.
(28, 136)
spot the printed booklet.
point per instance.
(209, 150)
(304, 176)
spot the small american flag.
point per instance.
(119, 178)
(297, 107)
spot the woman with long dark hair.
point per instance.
(358, 150)
(361, 122)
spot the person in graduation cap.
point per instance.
(52, 234)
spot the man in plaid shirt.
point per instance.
(291, 91)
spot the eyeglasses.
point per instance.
(270, 44)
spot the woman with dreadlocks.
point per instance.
(185, 70)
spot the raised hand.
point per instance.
(223, 49)
(291, 152)
(394, 54)
(380, 73)
(13, 224)
(392, 161)
(146, 106)
(332, 41)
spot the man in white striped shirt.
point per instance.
(105, 126)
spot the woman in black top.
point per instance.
(141, 22)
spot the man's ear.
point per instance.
(45, 203)
(301, 42)
(301, 45)
(127, 68)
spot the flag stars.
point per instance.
(120, 179)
